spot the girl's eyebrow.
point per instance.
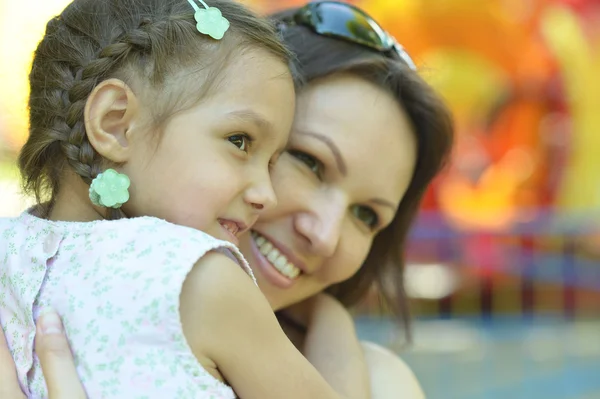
(248, 115)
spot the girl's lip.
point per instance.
(268, 270)
(241, 226)
(232, 237)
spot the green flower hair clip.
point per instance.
(110, 189)
(210, 20)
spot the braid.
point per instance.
(76, 146)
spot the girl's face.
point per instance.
(210, 170)
(350, 160)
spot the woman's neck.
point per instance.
(294, 331)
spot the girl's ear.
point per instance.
(111, 111)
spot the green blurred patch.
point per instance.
(8, 170)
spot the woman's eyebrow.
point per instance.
(339, 160)
(386, 203)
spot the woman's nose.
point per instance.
(322, 227)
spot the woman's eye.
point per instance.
(366, 215)
(241, 141)
(311, 162)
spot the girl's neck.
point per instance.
(72, 203)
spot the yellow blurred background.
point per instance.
(504, 259)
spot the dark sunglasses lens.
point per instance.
(344, 21)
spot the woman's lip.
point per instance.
(268, 270)
(285, 251)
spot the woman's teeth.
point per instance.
(276, 258)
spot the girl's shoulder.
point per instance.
(145, 227)
(154, 240)
(157, 233)
(146, 239)
(113, 235)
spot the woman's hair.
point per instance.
(320, 56)
(152, 45)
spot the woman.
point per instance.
(368, 138)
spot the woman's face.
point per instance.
(351, 156)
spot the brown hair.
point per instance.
(142, 42)
(319, 56)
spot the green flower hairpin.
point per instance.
(110, 189)
(210, 20)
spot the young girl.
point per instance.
(153, 122)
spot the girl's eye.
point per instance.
(366, 215)
(311, 162)
(241, 141)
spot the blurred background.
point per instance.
(504, 261)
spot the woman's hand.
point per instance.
(55, 356)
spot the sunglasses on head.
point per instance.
(346, 22)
